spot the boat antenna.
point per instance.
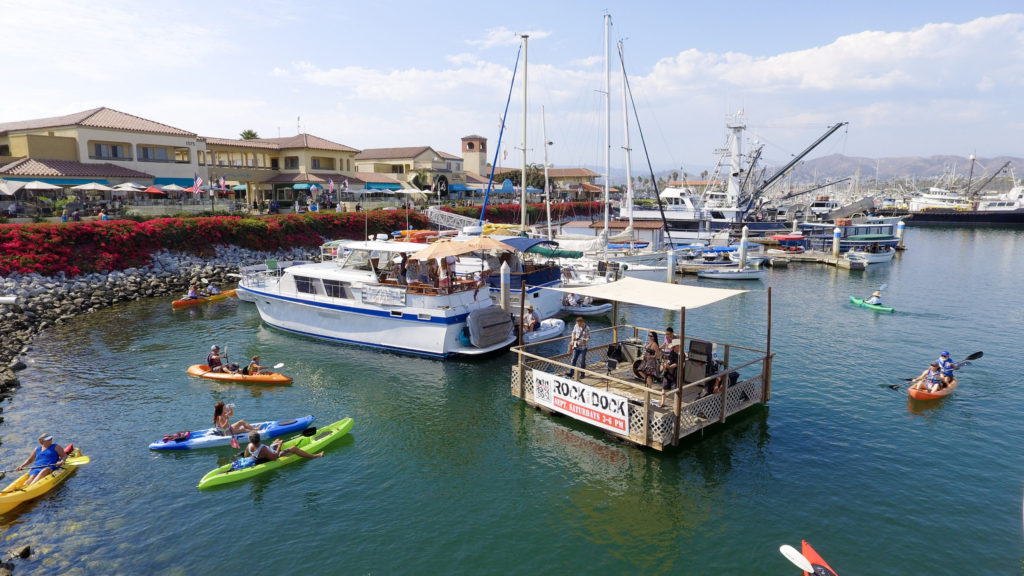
(501, 132)
(643, 142)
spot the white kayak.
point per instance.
(589, 310)
(210, 437)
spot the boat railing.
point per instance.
(657, 418)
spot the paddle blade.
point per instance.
(797, 558)
(883, 287)
(77, 460)
(975, 356)
(278, 365)
(234, 443)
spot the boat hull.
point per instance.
(209, 438)
(937, 395)
(821, 568)
(860, 302)
(966, 218)
(324, 436)
(592, 310)
(549, 328)
(732, 274)
(203, 371)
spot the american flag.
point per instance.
(222, 184)
(197, 183)
(344, 185)
(330, 184)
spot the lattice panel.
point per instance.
(743, 394)
(699, 414)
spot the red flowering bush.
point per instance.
(511, 213)
(82, 247)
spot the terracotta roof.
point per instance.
(448, 156)
(297, 141)
(256, 143)
(391, 153)
(476, 178)
(473, 137)
(378, 178)
(96, 118)
(296, 177)
(558, 172)
(68, 169)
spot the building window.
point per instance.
(182, 155)
(316, 163)
(151, 154)
(274, 164)
(291, 162)
(470, 146)
(108, 152)
(5, 150)
(397, 169)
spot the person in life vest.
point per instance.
(930, 379)
(947, 366)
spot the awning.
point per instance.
(383, 186)
(240, 187)
(523, 244)
(653, 294)
(301, 186)
(459, 187)
(183, 182)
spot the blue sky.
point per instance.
(911, 78)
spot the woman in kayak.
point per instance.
(222, 420)
(875, 299)
(263, 453)
(48, 457)
(930, 379)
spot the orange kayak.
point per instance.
(821, 568)
(203, 299)
(926, 395)
(203, 371)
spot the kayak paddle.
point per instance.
(797, 558)
(76, 461)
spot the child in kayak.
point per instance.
(947, 367)
(263, 453)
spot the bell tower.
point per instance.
(474, 154)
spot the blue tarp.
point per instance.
(383, 186)
(183, 182)
(525, 244)
(459, 187)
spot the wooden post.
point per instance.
(766, 368)
(647, 415)
(615, 323)
(522, 309)
(677, 406)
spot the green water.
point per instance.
(445, 472)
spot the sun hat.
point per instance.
(876, 293)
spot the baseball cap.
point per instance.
(945, 353)
(214, 347)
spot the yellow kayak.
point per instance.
(202, 299)
(13, 495)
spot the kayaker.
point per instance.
(215, 361)
(530, 321)
(211, 290)
(947, 367)
(47, 457)
(875, 299)
(192, 293)
(263, 453)
(254, 367)
(222, 414)
(930, 379)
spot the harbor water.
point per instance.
(446, 473)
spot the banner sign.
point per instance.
(383, 295)
(582, 402)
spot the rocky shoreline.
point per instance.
(47, 301)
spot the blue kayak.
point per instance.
(210, 438)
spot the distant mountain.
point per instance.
(897, 169)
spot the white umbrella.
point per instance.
(9, 187)
(128, 186)
(92, 186)
(171, 188)
(38, 185)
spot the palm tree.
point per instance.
(249, 134)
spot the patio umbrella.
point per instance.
(9, 187)
(153, 190)
(450, 248)
(92, 186)
(130, 186)
(172, 188)
(37, 185)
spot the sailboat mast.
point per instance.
(547, 193)
(625, 128)
(607, 120)
(522, 180)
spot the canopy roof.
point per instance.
(654, 294)
(443, 248)
(524, 244)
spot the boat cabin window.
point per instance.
(357, 260)
(305, 284)
(337, 289)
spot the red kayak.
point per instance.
(917, 394)
(821, 568)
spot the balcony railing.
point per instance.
(118, 158)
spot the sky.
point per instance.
(911, 78)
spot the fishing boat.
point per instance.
(860, 302)
(746, 273)
(789, 244)
(871, 255)
(203, 371)
(854, 233)
(186, 302)
(16, 493)
(212, 438)
(549, 328)
(919, 394)
(359, 299)
(821, 568)
(324, 436)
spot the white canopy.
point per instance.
(171, 188)
(128, 186)
(93, 186)
(9, 187)
(39, 185)
(654, 294)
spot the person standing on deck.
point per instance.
(578, 344)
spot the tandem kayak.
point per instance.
(860, 302)
(821, 568)
(184, 303)
(210, 438)
(203, 371)
(14, 494)
(324, 436)
(917, 394)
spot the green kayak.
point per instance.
(324, 436)
(860, 302)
